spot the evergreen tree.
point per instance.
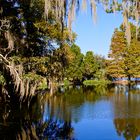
(116, 66)
(123, 58)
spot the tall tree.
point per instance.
(116, 67)
(124, 58)
(74, 70)
(90, 65)
(132, 59)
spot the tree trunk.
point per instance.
(51, 87)
(129, 78)
(129, 84)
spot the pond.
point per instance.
(76, 114)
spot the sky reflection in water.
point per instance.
(115, 116)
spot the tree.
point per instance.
(56, 66)
(89, 65)
(74, 70)
(132, 59)
(124, 58)
(27, 42)
(20, 33)
(117, 51)
(101, 68)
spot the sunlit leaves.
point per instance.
(124, 59)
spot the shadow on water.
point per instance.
(60, 116)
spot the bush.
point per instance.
(95, 82)
(100, 86)
(66, 83)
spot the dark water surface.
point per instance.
(78, 114)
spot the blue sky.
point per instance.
(96, 37)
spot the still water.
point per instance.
(76, 114)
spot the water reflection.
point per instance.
(127, 112)
(77, 113)
(128, 128)
(29, 123)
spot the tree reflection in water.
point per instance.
(46, 117)
(128, 128)
(53, 117)
(31, 123)
(127, 112)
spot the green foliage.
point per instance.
(41, 46)
(74, 69)
(89, 82)
(66, 83)
(84, 67)
(96, 82)
(100, 86)
(89, 65)
(43, 85)
(116, 66)
(33, 77)
(132, 59)
(100, 74)
(2, 80)
(44, 47)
